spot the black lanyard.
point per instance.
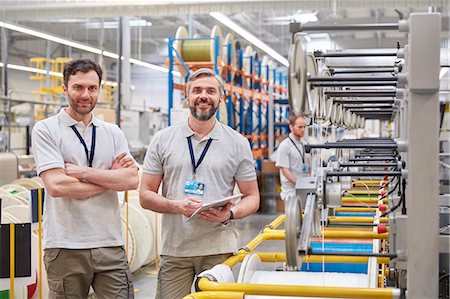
(303, 147)
(202, 156)
(90, 158)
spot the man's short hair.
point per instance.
(205, 72)
(81, 65)
(293, 118)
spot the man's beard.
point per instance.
(203, 116)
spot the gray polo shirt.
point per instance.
(78, 223)
(228, 159)
(289, 157)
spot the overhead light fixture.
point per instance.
(83, 47)
(44, 72)
(249, 37)
(305, 17)
(115, 24)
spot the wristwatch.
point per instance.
(227, 222)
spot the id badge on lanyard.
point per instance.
(193, 186)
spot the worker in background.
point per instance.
(198, 151)
(83, 161)
(292, 160)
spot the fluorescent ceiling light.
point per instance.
(44, 72)
(115, 24)
(248, 36)
(305, 17)
(83, 47)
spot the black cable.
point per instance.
(390, 192)
(403, 195)
(388, 183)
(402, 201)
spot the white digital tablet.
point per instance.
(216, 204)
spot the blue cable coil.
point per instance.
(334, 267)
(355, 214)
(338, 267)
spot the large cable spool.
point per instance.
(272, 66)
(237, 77)
(297, 76)
(329, 108)
(17, 190)
(131, 250)
(348, 118)
(141, 230)
(354, 123)
(363, 122)
(223, 112)
(340, 115)
(197, 49)
(246, 65)
(264, 68)
(322, 111)
(293, 227)
(148, 234)
(11, 200)
(230, 61)
(255, 67)
(29, 184)
(313, 92)
(249, 266)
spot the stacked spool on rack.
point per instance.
(198, 50)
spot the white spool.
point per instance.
(150, 233)
(141, 230)
(248, 53)
(264, 69)
(249, 266)
(272, 66)
(29, 184)
(223, 112)
(177, 44)
(297, 75)
(11, 200)
(313, 92)
(229, 40)
(131, 250)
(17, 190)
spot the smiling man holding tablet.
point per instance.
(197, 162)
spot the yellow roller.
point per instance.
(343, 219)
(370, 183)
(215, 294)
(372, 192)
(349, 209)
(346, 200)
(291, 290)
(354, 235)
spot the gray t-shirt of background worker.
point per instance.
(289, 157)
(78, 223)
(228, 159)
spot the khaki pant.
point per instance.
(176, 274)
(70, 273)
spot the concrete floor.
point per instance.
(144, 279)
